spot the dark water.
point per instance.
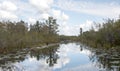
(62, 57)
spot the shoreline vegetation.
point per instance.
(107, 35)
(18, 35)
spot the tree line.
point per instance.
(107, 35)
(18, 35)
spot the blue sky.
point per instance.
(70, 14)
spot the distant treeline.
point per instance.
(107, 35)
(19, 35)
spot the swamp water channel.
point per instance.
(62, 57)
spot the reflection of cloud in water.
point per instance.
(86, 67)
(85, 51)
(32, 64)
(61, 62)
(73, 48)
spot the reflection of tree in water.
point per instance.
(46, 53)
(106, 59)
(11, 68)
(7, 60)
(81, 47)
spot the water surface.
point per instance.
(62, 57)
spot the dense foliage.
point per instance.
(107, 35)
(19, 35)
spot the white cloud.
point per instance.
(60, 15)
(87, 25)
(45, 16)
(4, 15)
(31, 20)
(71, 29)
(68, 29)
(42, 5)
(56, 13)
(111, 10)
(8, 6)
(45, 9)
(65, 17)
(7, 10)
(62, 18)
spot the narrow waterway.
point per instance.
(61, 57)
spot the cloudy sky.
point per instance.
(70, 14)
